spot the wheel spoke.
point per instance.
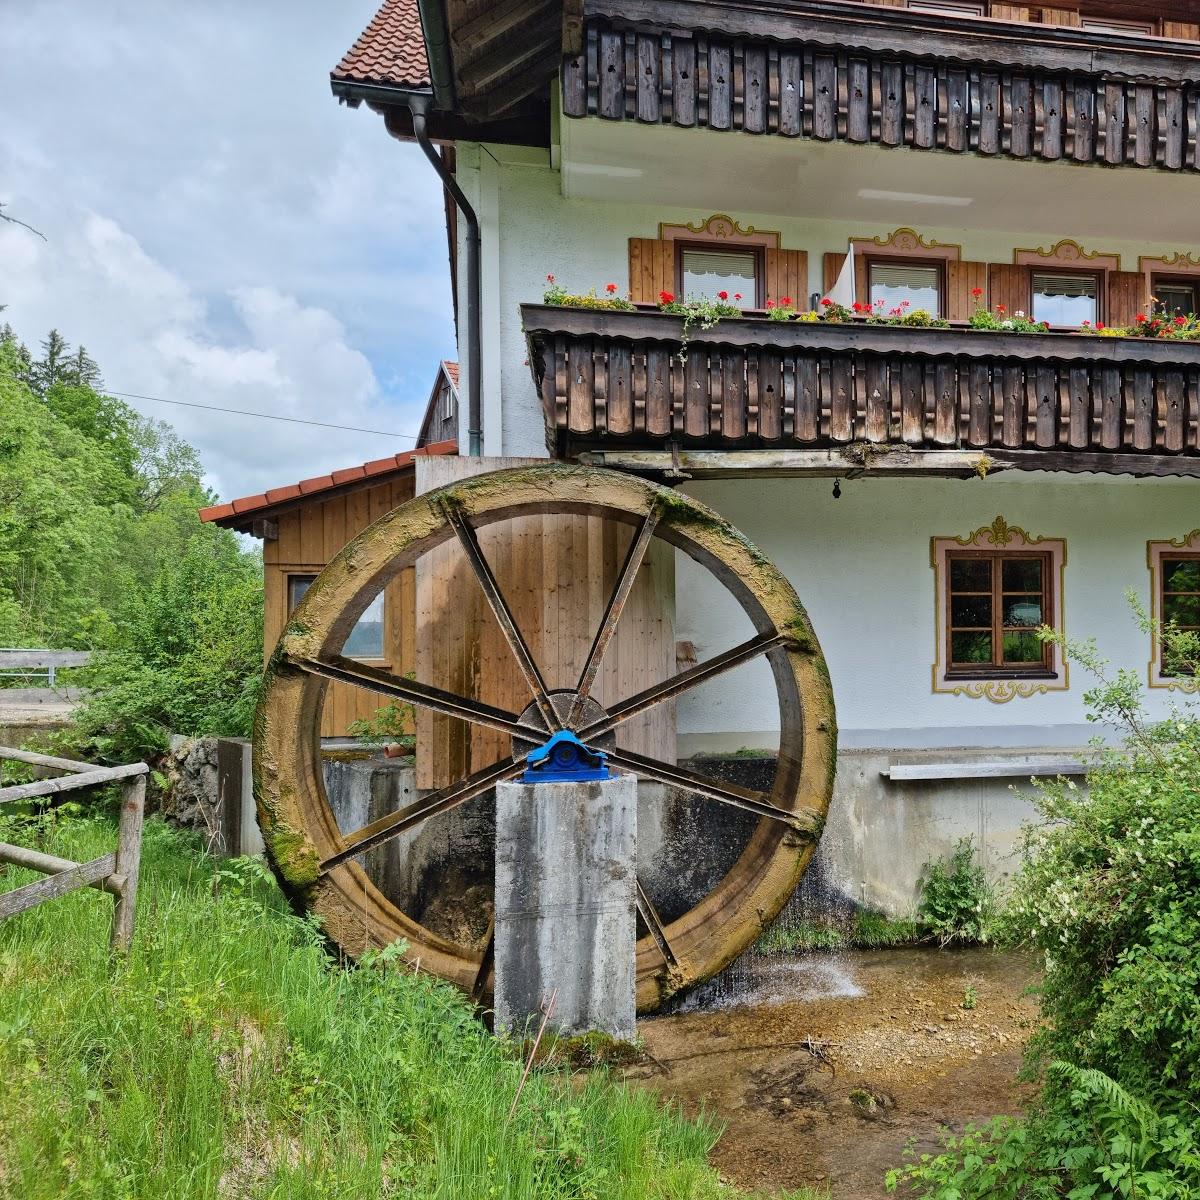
(653, 923)
(612, 614)
(684, 681)
(805, 824)
(437, 802)
(504, 617)
(346, 670)
(479, 986)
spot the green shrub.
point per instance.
(1109, 896)
(957, 903)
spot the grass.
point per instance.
(869, 930)
(229, 1058)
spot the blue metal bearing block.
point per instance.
(565, 759)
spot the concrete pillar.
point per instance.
(566, 905)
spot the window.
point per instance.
(996, 603)
(905, 285)
(704, 272)
(1066, 298)
(1108, 25)
(366, 638)
(964, 8)
(994, 588)
(1180, 597)
(1175, 297)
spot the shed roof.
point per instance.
(390, 51)
(240, 512)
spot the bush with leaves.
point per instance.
(957, 902)
(1109, 895)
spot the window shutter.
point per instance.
(831, 269)
(1059, 16)
(651, 269)
(1009, 286)
(787, 275)
(1126, 297)
(961, 279)
(1186, 31)
(1010, 12)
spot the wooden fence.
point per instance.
(115, 873)
(23, 664)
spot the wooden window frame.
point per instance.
(909, 260)
(311, 573)
(1000, 685)
(1186, 548)
(720, 246)
(1122, 25)
(966, 8)
(1099, 274)
(1043, 669)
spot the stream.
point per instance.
(824, 1066)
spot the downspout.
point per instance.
(474, 320)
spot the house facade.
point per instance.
(980, 411)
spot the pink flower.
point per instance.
(549, 278)
(770, 304)
(737, 295)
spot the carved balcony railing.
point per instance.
(1054, 400)
(895, 77)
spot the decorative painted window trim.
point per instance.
(905, 243)
(1000, 689)
(1180, 264)
(1067, 253)
(1156, 551)
(720, 227)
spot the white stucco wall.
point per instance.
(861, 567)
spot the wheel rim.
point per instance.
(313, 857)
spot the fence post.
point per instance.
(129, 857)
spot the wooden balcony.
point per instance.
(835, 71)
(616, 382)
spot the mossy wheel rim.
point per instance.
(315, 860)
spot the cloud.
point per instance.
(219, 230)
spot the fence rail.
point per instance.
(20, 662)
(115, 873)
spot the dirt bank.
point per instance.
(824, 1067)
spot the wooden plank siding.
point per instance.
(834, 384)
(1094, 98)
(309, 536)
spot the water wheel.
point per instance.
(316, 859)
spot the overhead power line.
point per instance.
(242, 412)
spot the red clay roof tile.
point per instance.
(390, 51)
(237, 510)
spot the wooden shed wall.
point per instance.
(310, 535)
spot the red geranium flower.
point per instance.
(722, 295)
(770, 304)
(826, 302)
(1140, 317)
(1000, 308)
(1098, 325)
(1181, 320)
(666, 298)
(786, 300)
(549, 278)
(737, 295)
(977, 292)
(610, 288)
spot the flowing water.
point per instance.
(823, 1066)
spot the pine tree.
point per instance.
(49, 369)
(82, 371)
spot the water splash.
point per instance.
(757, 980)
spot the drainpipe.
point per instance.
(474, 285)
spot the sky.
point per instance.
(218, 228)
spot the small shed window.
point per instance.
(704, 272)
(907, 286)
(366, 638)
(1068, 298)
(996, 603)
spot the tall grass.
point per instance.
(229, 1057)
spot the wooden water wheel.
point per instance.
(316, 859)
